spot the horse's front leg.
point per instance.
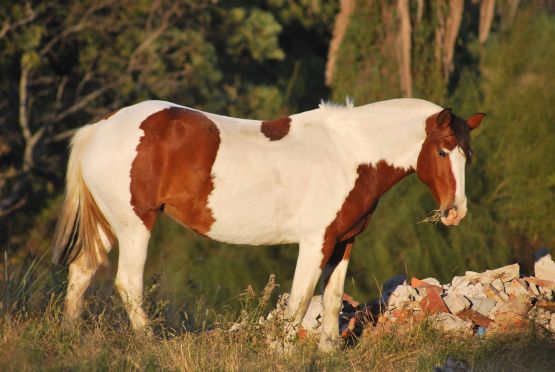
(307, 273)
(334, 283)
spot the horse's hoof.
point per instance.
(282, 348)
(327, 345)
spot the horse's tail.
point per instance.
(82, 228)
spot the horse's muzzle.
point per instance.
(452, 216)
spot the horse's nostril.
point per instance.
(446, 211)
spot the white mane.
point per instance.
(329, 105)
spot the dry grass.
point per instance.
(32, 338)
(432, 217)
(39, 342)
(104, 341)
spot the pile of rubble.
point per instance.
(476, 303)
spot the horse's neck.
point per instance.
(373, 133)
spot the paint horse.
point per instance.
(312, 178)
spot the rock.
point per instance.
(546, 305)
(450, 323)
(492, 292)
(497, 284)
(402, 295)
(390, 285)
(513, 311)
(459, 281)
(432, 281)
(505, 273)
(482, 305)
(516, 287)
(544, 268)
(453, 365)
(470, 290)
(540, 282)
(552, 323)
(456, 303)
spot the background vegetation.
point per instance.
(66, 65)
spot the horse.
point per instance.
(312, 178)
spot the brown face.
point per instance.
(442, 159)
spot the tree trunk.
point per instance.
(342, 21)
(404, 47)
(451, 32)
(487, 11)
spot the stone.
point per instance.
(399, 297)
(498, 285)
(516, 287)
(452, 324)
(482, 305)
(544, 267)
(492, 292)
(390, 285)
(505, 273)
(546, 305)
(432, 281)
(453, 365)
(456, 303)
(459, 281)
(513, 311)
(552, 323)
(470, 290)
(541, 282)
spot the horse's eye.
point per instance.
(442, 153)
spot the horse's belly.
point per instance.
(256, 219)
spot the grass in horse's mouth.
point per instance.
(432, 217)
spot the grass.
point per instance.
(432, 217)
(32, 338)
(103, 341)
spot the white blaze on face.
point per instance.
(458, 162)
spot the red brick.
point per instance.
(433, 303)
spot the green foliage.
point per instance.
(366, 68)
(509, 186)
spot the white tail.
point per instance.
(81, 223)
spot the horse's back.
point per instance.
(222, 177)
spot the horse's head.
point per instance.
(442, 159)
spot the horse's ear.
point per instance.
(475, 120)
(444, 117)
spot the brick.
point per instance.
(475, 317)
(433, 303)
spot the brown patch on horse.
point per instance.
(434, 170)
(372, 182)
(172, 169)
(276, 129)
(109, 115)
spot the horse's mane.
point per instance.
(462, 134)
(349, 103)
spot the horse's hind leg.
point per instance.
(334, 282)
(133, 243)
(80, 276)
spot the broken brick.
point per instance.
(475, 317)
(433, 303)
